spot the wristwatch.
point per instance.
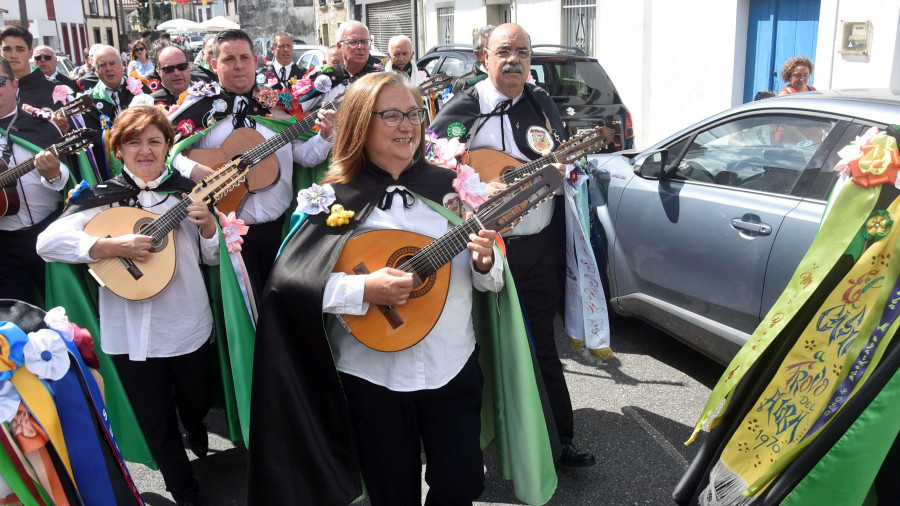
(56, 179)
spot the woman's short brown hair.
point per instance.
(353, 120)
(133, 121)
(788, 69)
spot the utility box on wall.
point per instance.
(855, 38)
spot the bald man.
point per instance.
(401, 54)
(45, 59)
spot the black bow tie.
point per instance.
(388, 198)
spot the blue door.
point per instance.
(778, 30)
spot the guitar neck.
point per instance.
(167, 221)
(272, 144)
(437, 253)
(531, 167)
(14, 173)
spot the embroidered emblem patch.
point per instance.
(539, 139)
(454, 204)
(456, 130)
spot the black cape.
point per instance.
(38, 131)
(204, 115)
(122, 189)
(36, 90)
(302, 448)
(68, 81)
(535, 109)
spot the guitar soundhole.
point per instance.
(156, 246)
(506, 170)
(402, 255)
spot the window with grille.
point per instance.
(386, 19)
(445, 25)
(579, 19)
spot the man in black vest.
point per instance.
(173, 72)
(283, 68)
(507, 114)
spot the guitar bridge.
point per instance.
(131, 268)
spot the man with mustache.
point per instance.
(506, 113)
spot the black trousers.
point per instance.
(537, 263)
(392, 427)
(156, 387)
(259, 251)
(22, 273)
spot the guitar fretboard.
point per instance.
(272, 144)
(167, 221)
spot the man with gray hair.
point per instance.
(354, 43)
(478, 72)
(282, 68)
(401, 54)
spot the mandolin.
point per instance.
(259, 153)
(141, 280)
(387, 328)
(493, 165)
(9, 176)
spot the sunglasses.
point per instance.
(140, 49)
(181, 67)
(45, 57)
(4, 80)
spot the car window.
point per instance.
(579, 81)
(763, 153)
(453, 67)
(429, 65)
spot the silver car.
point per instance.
(702, 231)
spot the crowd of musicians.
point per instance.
(326, 417)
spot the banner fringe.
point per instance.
(725, 488)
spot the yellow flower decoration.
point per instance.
(292, 81)
(878, 225)
(879, 162)
(338, 216)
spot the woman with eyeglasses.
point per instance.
(796, 73)
(140, 60)
(327, 407)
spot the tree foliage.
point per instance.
(162, 11)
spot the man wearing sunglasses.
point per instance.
(23, 136)
(506, 113)
(34, 88)
(175, 73)
(45, 59)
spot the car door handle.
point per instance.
(757, 228)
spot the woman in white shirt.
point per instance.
(160, 345)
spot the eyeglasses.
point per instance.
(45, 57)
(356, 42)
(181, 67)
(504, 54)
(393, 117)
(4, 80)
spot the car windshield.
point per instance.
(579, 82)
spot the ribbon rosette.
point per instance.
(267, 97)
(445, 152)
(9, 401)
(61, 93)
(292, 81)
(185, 127)
(260, 79)
(468, 184)
(201, 89)
(286, 99)
(219, 105)
(104, 121)
(134, 85)
(878, 225)
(75, 192)
(232, 229)
(46, 355)
(141, 99)
(322, 83)
(879, 162)
(153, 84)
(56, 319)
(12, 344)
(315, 199)
(302, 87)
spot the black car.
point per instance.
(581, 89)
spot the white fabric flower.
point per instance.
(9, 401)
(46, 355)
(57, 320)
(141, 99)
(323, 83)
(315, 199)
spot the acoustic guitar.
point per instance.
(493, 165)
(134, 280)
(70, 143)
(259, 153)
(387, 328)
(9, 194)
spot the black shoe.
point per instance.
(198, 439)
(571, 457)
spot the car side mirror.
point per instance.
(650, 166)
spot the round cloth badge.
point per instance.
(539, 139)
(456, 130)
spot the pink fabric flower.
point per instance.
(469, 186)
(61, 93)
(185, 127)
(134, 85)
(302, 87)
(446, 152)
(232, 229)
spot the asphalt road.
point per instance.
(633, 412)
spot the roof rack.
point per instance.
(451, 46)
(558, 48)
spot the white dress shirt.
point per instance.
(489, 136)
(174, 322)
(37, 197)
(266, 205)
(439, 357)
(287, 71)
